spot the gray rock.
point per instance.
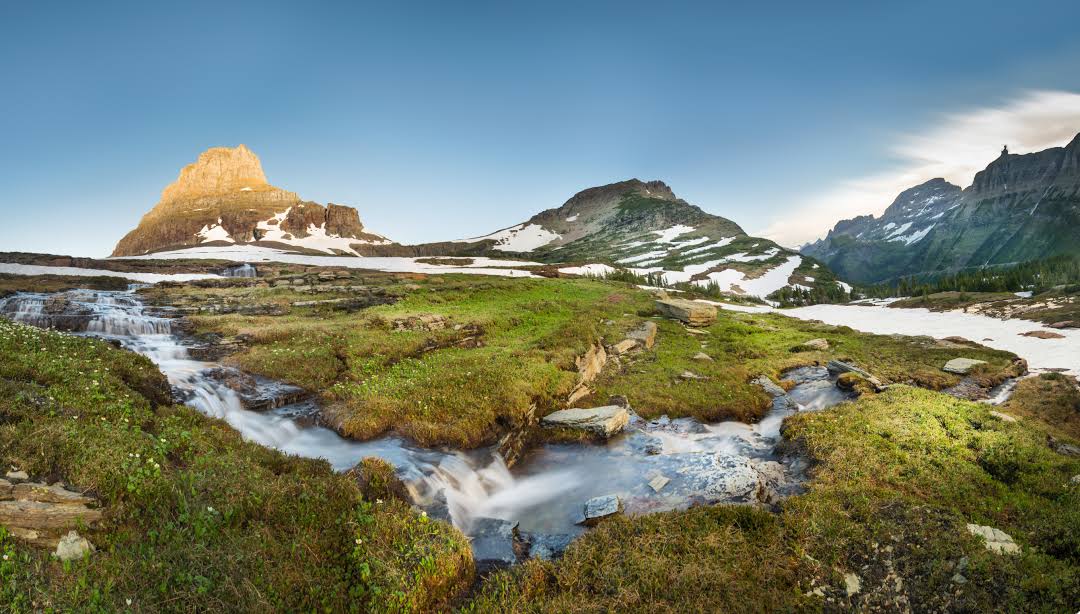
(996, 540)
(690, 375)
(715, 477)
(658, 483)
(962, 366)
(605, 421)
(73, 547)
(17, 476)
(816, 344)
(703, 356)
(493, 543)
(598, 508)
(547, 547)
(768, 385)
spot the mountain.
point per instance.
(224, 198)
(1019, 208)
(645, 228)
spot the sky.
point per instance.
(441, 120)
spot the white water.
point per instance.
(1041, 354)
(545, 493)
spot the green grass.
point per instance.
(195, 518)
(896, 477)
(420, 384)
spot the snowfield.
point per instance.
(149, 278)
(520, 238)
(255, 253)
(1061, 353)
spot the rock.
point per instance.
(1062, 324)
(703, 356)
(31, 491)
(624, 346)
(768, 385)
(1043, 334)
(604, 421)
(1075, 480)
(852, 584)
(658, 483)
(73, 547)
(962, 366)
(492, 541)
(816, 344)
(40, 515)
(1002, 416)
(996, 540)
(959, 579)
(17, 476)
(423, 322)
(1062, 448)
(589, 365)
(716, 477)
(598, 508)
(690, 312)
(690, 375)
(548, 547)
(645, 335)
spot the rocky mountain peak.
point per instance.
(218, 171)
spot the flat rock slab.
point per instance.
(996, 540)
(37, 515)
(605, 421)
(962, 366)
(598, 508)
(690, 312)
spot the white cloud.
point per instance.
(956, 147)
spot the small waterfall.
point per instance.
(241, 270)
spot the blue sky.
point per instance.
(442, 120)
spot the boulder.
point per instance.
(716, 477)
(598, 508)
(690, 312)
(604, 421)
(1062, 324)
(962, 366)
(547, 547)
(816, 344)
(73, 547)
(703, 356)
(996, 540)
(837, 367)
(493, 543)
(645, 335)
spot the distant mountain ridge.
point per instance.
(223, 198)
(642, 226)
(1019, 208)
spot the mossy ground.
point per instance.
(195, 518)
(422, 385)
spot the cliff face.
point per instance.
(224, 197)
(1019, 208)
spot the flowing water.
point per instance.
(655, 465)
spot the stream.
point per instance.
(653, 466)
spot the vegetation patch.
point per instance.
(196, 519)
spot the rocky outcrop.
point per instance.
(589, 365)
(224, 197)
(962, 366)
(997, 541)
(40, 513)
(691, 313)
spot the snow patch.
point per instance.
(596, 270)
(149, 278)
(520, 238)
(668, 235)
(572, 218)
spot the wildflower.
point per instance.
(127, 601)
(6, 556)
(210, 509)
(379, 501)
(358, 541)
(424, 514)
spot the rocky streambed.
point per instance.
(536, 508)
